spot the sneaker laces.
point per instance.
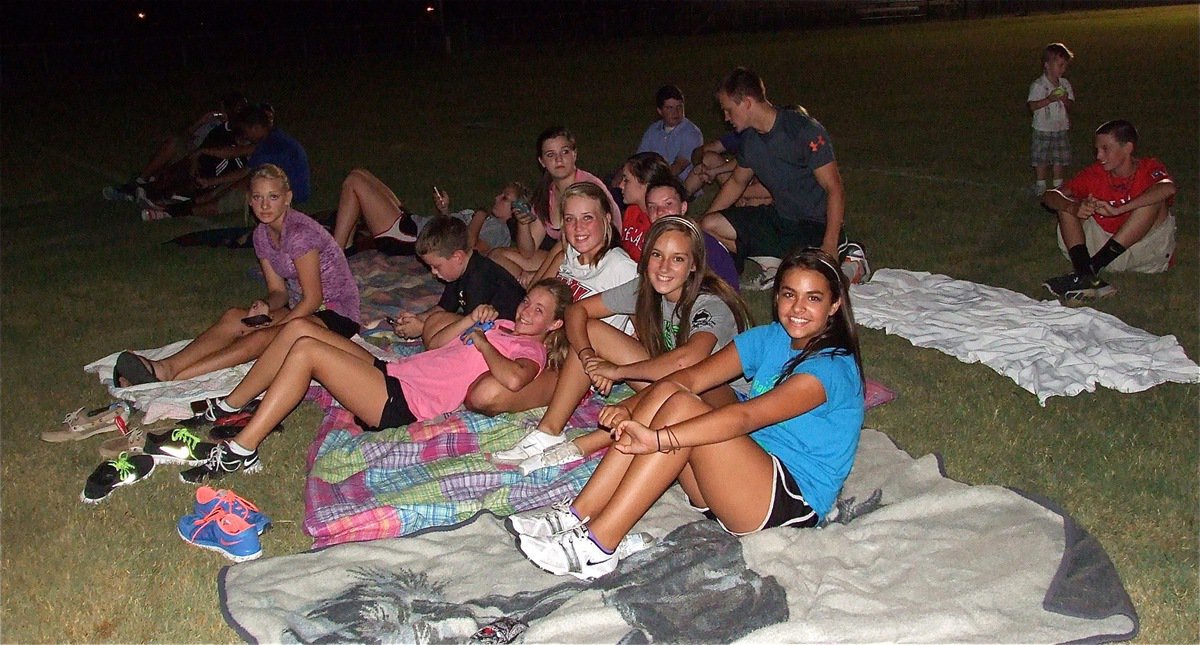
(229, 498)
(213, 463)
(215, 514)
(186, 437)
(123, 466)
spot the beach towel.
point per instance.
(1046, 348)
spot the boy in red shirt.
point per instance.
(1115, 214)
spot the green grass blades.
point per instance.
(932, 135)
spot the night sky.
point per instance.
(60, 21)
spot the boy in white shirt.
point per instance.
(1050, 100)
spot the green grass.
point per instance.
(931, 132)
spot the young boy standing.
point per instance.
(1050, 100)
(471, 280)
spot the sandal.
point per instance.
(134, 369)
(81, 425)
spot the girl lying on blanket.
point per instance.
(387, 395)
(365, 197)
(539, 232)
(684, 313)
(307, 278)
(589, 265)
(776, 459)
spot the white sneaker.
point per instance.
(556, 455)
(544, 522)
(532, 444)
(633, 543)
(570, 553)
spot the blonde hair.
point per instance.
(591, 191)
(271, 171)
(555, 341)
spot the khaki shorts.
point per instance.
(1151, 254)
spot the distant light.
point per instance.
(141, 15)
(429, 9)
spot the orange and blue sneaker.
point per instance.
(208, 498)
(223, 532)
(126, 469)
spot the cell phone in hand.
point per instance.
(257, 321)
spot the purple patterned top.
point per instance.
(302, 234)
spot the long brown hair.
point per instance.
(648, 322)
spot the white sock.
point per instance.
(1041, 184)
(1057, 182)
(225, 407)
(237, 449)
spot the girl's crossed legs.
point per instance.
(735, 478)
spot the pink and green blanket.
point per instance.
(365, 486)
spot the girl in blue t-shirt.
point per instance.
(776, 459)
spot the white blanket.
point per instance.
(172, 399)
(940, 561)
(1048, 349)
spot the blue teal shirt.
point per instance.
(816, 447)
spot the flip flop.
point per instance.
(133, 368)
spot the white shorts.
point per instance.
(1151, 254)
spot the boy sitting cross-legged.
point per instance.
(471, 280)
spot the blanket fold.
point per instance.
(1046, 348)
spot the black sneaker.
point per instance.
(221, 461)
(126, 469)
(208, 410)
(1074, 288)
(180, 447)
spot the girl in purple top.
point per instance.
(307, 277)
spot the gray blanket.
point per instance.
(937, 561)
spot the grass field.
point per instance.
(931, 132)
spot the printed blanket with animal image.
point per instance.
(932, 560)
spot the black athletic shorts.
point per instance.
(395, 411)
(337, 323)
(788, 507)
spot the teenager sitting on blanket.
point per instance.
(639, 171)
(589, 265)
(684, 313)
(539, 232)
(665, 197)
(471, 280)
(777, 459)
(366, 198)
(389, 395)
(307, 278)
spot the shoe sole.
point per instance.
(249, 471)
(579, 575)
(69, 434)
(231, 556)
(168, 460)
(85, 500)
